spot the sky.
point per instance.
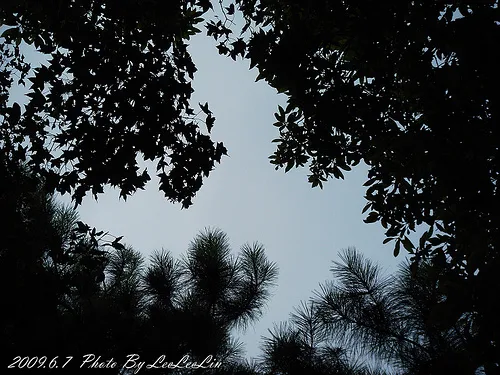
(301, 228)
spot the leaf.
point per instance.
(210, 122)
(440, 227)
(15, 114)
(282, 112)
(13, 32)
(425, 237)
(337, 173)
(397, 247)
(118, 246)
(238, 48)
(230, 9)
(204, 108)
(372, 217)
(118, 239)
(370, 182)
(367, 206)
(82, 227)
(223, 50)
(116, 243)
(388, 240)
(408, 245)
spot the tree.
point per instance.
(47, 259)
(386, 320)
(407, 88)
(202, 298)
(175, 308)
(389, 318)
(115, 88)
(302, 346)
(70, 290)
(410, 90)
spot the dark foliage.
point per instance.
(385, 320)
(410, 89)
(50, 266)
(116, 87)
(69, 290)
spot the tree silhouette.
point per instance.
(302, 346)
(385, 319)
(410, 90)
(380, 83)
(70, 291)
(200, 299)
(43, 261)
(116, 88)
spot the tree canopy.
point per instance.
(361, 316)
(69, 290)
(116, 87)
(409, 88)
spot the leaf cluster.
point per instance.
(115, 89)
(409, 89)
